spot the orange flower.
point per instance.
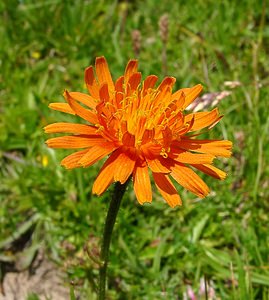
(140, 127)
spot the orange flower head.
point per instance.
(140, 127)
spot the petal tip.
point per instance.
(65, 93)
(100, 59)
(144, 202)
(204, 194)
(223, 176)
(175, 205)
(95, 192)
(50, 106)
(64, 165)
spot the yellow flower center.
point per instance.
(141, 117)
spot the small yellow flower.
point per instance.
(45, 161)
(35, 54)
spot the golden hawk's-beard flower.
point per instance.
(140, 127)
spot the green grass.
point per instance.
(157, 252)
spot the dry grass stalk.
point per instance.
(164, 32)
(136, 41)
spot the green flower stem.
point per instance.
(109, 224)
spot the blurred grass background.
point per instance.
(157, 252)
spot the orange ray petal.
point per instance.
(119, 91)
(119, 84)
(71, 161)
(186, 157)
(185, 128)
(167, 189)
(71, 128)
(149, 83)
(106, 175)
(167, 136)
(91, 83)
(73, 142)
(159, 165)
(215, 147)
(142, 185)
(211, 171)
(103, 73)
(96, 153)
(125, 166)
(189, 180)
(63, 107)
(128, 139)
(174, 108)
(164, 95)
(104, 93)
(84, 113)
(191, 94)
(203, 119)
(134, 81)
(180, 94)
(131, 68)
(83, 98)
(167, 82)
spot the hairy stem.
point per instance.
(109, 225)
